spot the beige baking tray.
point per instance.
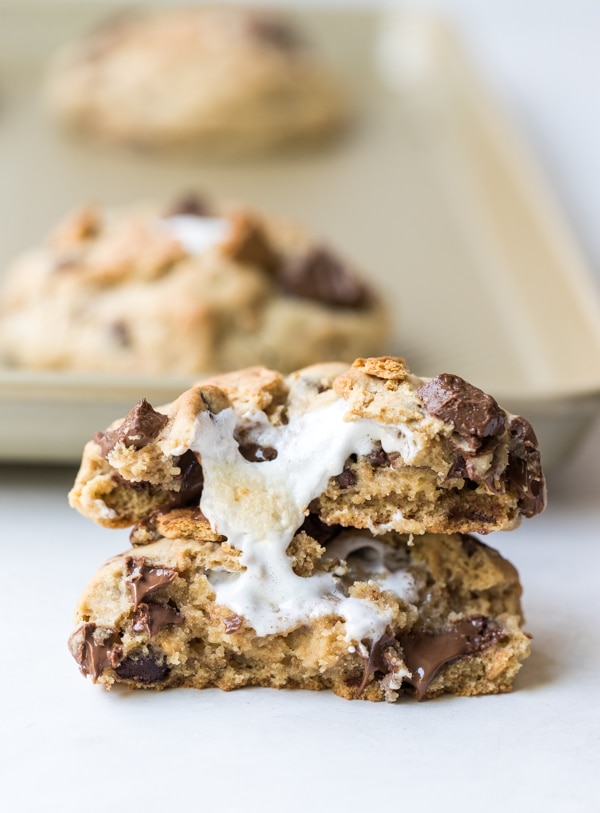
(430, 191)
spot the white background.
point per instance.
(66, 745)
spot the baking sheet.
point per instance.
(429, 191)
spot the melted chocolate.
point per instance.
(192, 480)
(152, 618)
(145, 668)
(94, 653)
(141, 426)
(320, 276)
(376, 661)
(425, 653)
(524, 470)
(145, 579)
(473, 414)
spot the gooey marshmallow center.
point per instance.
(259, 506)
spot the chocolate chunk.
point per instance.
(524, 470)
(233, 623)
(145, 579)
(473, 414)
(318, 530)
(143, 668)
(376, 661)
(346, 479)
(152, 618)
(257, 454)
(190, 204)
(249, 244)
(425, 653)
(276, 32)
(378, 459)
(121, 333)
(320, 276)
(141, 426)
(95, 648)
(192, 480)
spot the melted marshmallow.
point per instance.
(259, 506)
(197, 234)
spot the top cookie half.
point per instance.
(367, 446)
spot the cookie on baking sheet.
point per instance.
(369, 617)
(370, 446)
(187, 290)
(223, 80)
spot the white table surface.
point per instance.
(67, 745)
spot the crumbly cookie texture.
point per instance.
(370, 446)
(219, 80)
(188, 290)
(368, 617)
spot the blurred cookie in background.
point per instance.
(224, 80)
(184, 290)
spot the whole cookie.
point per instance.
(218, 79)
(187, 290)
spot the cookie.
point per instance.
(186, 290)
(368, 617)
(370, 446)
(221, 80)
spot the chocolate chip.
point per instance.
(143, 668)
(346, 479)
(121, 333)
(141, 426)
(318, 530)
(192, 481)
(190, 204)
(95, 648)
(145, 579)
(376, 662)
(378, 459)
(524, 470)
(232, 623)
(152, 618)
(320, 276)
(257, 454)
(425, 653)
(275, 32)
(473, 414)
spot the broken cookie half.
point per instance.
(369, 617)
(308, 532)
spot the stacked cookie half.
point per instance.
(310, 531)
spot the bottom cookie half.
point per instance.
(368, 617)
